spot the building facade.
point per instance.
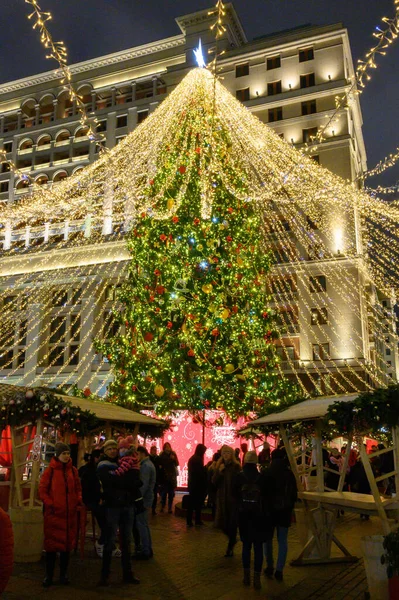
(289, 80)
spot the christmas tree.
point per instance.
(196, 331)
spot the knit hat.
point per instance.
(60, 447)
(251, 458)
(110, 444)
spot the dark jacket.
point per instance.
(197, 473)
(61, 494)
(119, 491)
(168, 464)
(226, 501)
(91, 486)
(254, 525)
(282, 492)
(359, 482)
(155, 462)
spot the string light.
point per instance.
(126, 183)
(58, 52)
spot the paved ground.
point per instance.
(189, 565)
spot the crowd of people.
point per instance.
(120, 484)
(355, 479)
(253, 495)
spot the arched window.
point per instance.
(26, 144)
(44, 140)
(81, 132)
(41, 179)
(62, 136)
(22, 184)
(59, 176)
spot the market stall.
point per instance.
(34, 419)
(345, 415)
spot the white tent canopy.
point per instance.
(315, 408)
(104, 411)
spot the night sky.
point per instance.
(91, 28)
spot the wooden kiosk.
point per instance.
(321, 505)
(31, 449)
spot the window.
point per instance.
(13, 333)
(7, 146)
(110, 326)
(307, 80)
(60, 299)
(121, 121)
(242, 95)
(119, 139)
(64, 331)
(101, 126)
(286, 352)
(318, 283)
(318, 316)
(273, 88)
(5, 168)
(311, 224)
(242, 70)
(309, 107)
(4, 186)
(308, 134)
(306, 54)
(281, 135)
(141, 116)
(274, 62)
(315, 157)
(275, 114)
(388, 351)
(321, 351)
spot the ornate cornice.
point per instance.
(96, 63)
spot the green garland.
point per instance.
(369, 413)
(23, 407)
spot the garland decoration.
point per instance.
(370, 413)
(24, 407)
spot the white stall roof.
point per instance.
(315, 408)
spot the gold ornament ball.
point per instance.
(170, 204)
(225, 314)
(229, 368)
(159, 390)
(207, 288)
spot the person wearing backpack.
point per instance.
(282, 490)
(223, 478)
(254, 526)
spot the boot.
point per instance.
(64, 561)
(229, 550)
(257, 583)
(247, 577)
(50, 564)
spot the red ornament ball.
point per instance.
(148, 337)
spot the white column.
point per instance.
(34, 322)
(7, 236)
(86, 350)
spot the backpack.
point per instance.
(251, 498)
(285, 492)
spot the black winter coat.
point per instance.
(197, 476)
(91, 486)
(119, 491)
(253, 526)
(282, 493)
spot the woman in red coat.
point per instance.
(61, 493)
(6, 550)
